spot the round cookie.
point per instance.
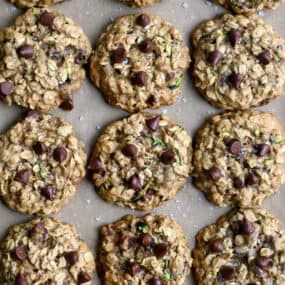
(246, 246)
(41, 60)
(45, 251)
(41, 163)
(139, 63)
(150, 250)
(140, 3)
(239, 61)
(239, 158)
(141, 161)
(35, 3)
(245, 6)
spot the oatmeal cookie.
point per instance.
(139, 63)
(41, 163)
(141, 161)
(140, 3)
(149, 250)
(45, 251)
(243, 247)
(239, 158)
(41, 60)
(35, 3)
(239, 61)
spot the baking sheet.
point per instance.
(86, 210)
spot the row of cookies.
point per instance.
(245, 246)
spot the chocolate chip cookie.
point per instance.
(139, 63)
(41, 60)
(239, 158)
(35, 3)
(141, 161)
(45, 251)
(239, 61)
(245, 6)
(246, 246)
(150, 250)
(140, 3)
(41, 163)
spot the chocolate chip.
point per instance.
(236, 79)
(135, 183)
(160, 249)
(252, 179)
(263, 262)
(71, 257)
(265, 57)
(151, 100)
(26, 51)
(46, 19)
(20, 253)
(228, 272)
(40, 148)
(167, 157)
(214, 57)
(238, 183)
(262, 149)
(67, 105)
(118, 55)
(83, 277)
(149, 193)
(146, 240)
(32, 114)
(48, 192)
(217, 245)
(127, 242)
(130, 150)
(234, 36)
(23, 176)
(153, 123)
(80, 57)
(6, 88)
(134, 268)
(170, 76)
(95, 164)
(143, 20)
(60, 154)
(139, 79)
(246, 227)
(21, 280)
(234, 146)
(39, 228)
(146, 46)
(154, 281)
(215, 173)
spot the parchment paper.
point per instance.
(86, 210)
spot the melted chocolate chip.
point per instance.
(40, 148)
(67, 105)
(146, 240)
(153, 123)
(167, 157)
(71, 257)
(60, 154)
(246, 227)
(48, 192)
(26, 51)
(146, 46)
(265, 57)
(252, 179)
(234, 146)
(154, 281)
(46, 19)
(95, 164)
(134, 268)
(214, 57)
(217, 246)
(236, 79)
(20, 253)
(160, 249)
(118, 55)
(227, 273)
(143, 20)
(83, 277)
(130, 150)
(139, 79)
(234, 36)
(263, 262)
(21, 280)
(215, 173)
(135, 183)
(23, 176)
(262, 149)
(6, 88)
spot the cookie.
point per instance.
(41, 163)
(239, 61)
(140, 3)
(139, 62)
(35, 3)
(246, 246)
(150, 250)
(41, 60)
(239, 158)
(245, 6)
(141, 161)
(45, 251)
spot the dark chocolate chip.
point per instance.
(139, 79)
(263, 262)
(83, 277)
(265, 57)
(40, 148)
(234, 36)
(214, 57)
(146, 46)
(134, 268)
(23, 176)
(95, 164)
(60, 154)
(6, 88)
(130, 150)
(153, 123)
(252, 179)
(71, 257)
(151, 100)
(48, 192)
(26, 51)
(215, 173)
(160, 249)
(80, 57)
(236, 79)
(118, 55)
(143, 20)
(21, 280)
(167, 157)
(20, 253)
(238, 183)
(262, 149)
(67, 105)
(217, 245)
(234, 146)
(46, 19)
(32, 114)
(228, 273)
(246, 227)
(154, 281)
(146, 240)
(135, 183)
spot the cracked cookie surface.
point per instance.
(243, 247)
(239, 61)
(140, 3)
(35, 3)
(139, 63)
(239, 158)
(41, 60)
(141, 161)
(45, 251)
(143, 250)
(41, 163)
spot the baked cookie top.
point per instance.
(45, 251)
(244, 6)
(139, 62)
(141, 161)
(243, 247)
(41, 162)
(34, 3)
(41, 58)
(140, 3)
(149, 250)
(239, 158)
(239, 61)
